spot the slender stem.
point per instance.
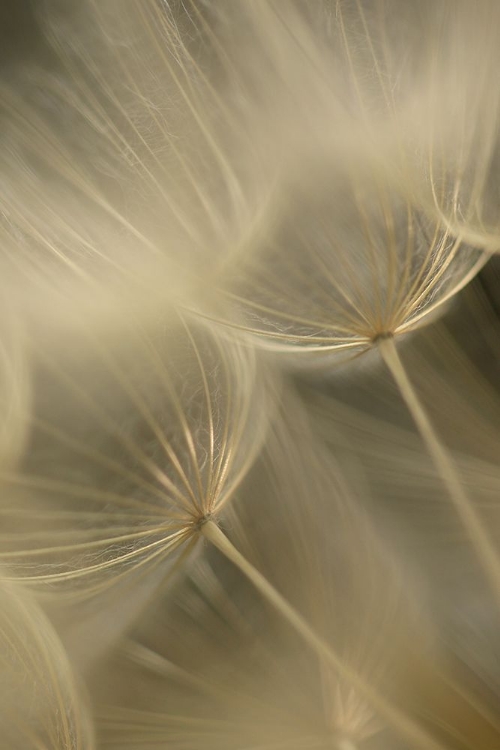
(393, 715)
(485, 549)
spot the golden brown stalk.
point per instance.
(485, 549)
(418, 736)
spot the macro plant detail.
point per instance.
(128, 178)
(223, 226)
(159, 421)
(269, 685)
(362, 261)
(365, 261)
(42, 703)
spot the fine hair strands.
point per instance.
(203, 456)
(160, 419)
(42, 704)
(222, 672)
(201, 204)
(363, 255)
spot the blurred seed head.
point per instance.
(42, 705)
(306, 177)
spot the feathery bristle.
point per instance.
(241, 508)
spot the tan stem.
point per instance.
(485, 549)
(346, 745)
(393, 715)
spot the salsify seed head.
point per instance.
(42, 704)
(213, 666)
(348, 260)
(121, 158)
(139, 435)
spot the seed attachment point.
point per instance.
(200, 522)
(382, 337)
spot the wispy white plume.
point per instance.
(135, 440)
(41, 703)
(218, 669)
(202, 204)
